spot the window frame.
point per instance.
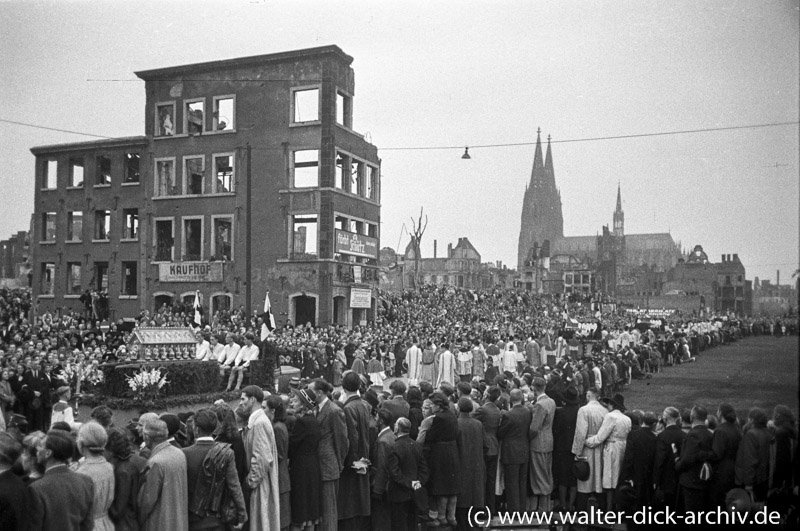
(155, 259)
(69, 291)
(42, 269)
(97, 171)
(98, 278)
(184, 219)
(70, 228)
(95, 239)
(45, 182)
(212, 307)
(43, 235)
(214, 156)
(156, 124)
(125, 237)
(123, 286)
(292, 104)
(214, 218)
(186, 103)
(291, 243)
(185, 178)
(156, 177)
(71, 173)
(125, 182)
(215, 112)
(347, 109)
(293, 167)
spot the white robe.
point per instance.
(510, 358)
(413, 360)
(447, 368)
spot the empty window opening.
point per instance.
(194, 175)
(223, 114)
(102, 224)
(192, 239)
(306, 168)
(306, 105)
(352, 226)
(131, 218)
(48, 275)
(103, 175)
(74, 226)
(342, 172)
(164, 240)
(372, 230)
(129, 278)
(372, 182)
(100, 280)
(344, 110)
(358, 177)
(75, 173)
(132, 172)
(165, 178)
(223, 169)
(304, 236)
(340, 222)
(165, 119)
(74, 286)
(223, 239)
(194, 117)
(49, 227)
(50, 177)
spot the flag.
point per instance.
(198, 310)
(268, 324)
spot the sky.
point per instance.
(432, 74)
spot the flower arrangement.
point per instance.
(89, 373)
(147, 383)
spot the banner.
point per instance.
(356, 244)
(190, 272)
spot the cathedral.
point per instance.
(611, 262)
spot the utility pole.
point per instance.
(248, 235)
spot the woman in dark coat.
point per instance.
(640, 454)
(304, 471)
(127, 470)
(227, 432)
(276, 412)
(564, 422)
(752, 459)
(722, 457)
(441, 454)
(471, 450)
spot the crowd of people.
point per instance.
(494, 400)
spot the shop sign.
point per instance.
(190, 272)
(360, 298)
(356, 244)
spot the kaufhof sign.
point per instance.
(356, 244)
(190, 272)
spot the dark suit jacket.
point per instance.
(489, 415)
(726, 441)
(664, 475)
(513, 436)
(397, 406)
(41, 383)
(698, 441)
(406, 464)
(333, 442)
(640, 455)
(195, 454)
(15, 507)
(380, 467)
(63, 500)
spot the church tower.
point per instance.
(619, 215)
(542, 218)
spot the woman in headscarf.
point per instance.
(304, 470)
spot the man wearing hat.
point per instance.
(564, 421)
(613, 437)
(541, 436)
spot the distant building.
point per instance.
(250, 178)
(15, 258)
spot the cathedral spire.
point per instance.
(537, 157)
(548, 160)
(619, 215)
(619, 195)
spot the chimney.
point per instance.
(779, 278)
(449, 250)
(735, 257)
(723, 257)
(434, 248)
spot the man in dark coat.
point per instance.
(36, 390)
(690, 464)
(408, 472)
(471, 452)
(515, 450)
(489, 415)
(204, 503)
(564, 422)
(640, 454)
(62, 500)
(333, 445)
(441, 454)
(354, 496)
(724, 447)
(668, 446)
(14, 494)
(397, 404)
(381, 510)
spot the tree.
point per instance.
(416, 239)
